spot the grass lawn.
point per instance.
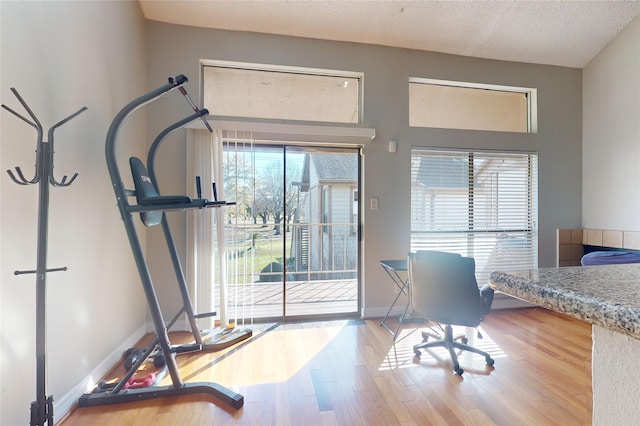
(254, 259)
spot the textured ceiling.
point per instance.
(565, 33)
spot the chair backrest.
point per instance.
(443, 288)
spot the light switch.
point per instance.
(374, 203)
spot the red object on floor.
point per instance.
(140, 382)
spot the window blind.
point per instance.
(478, 204)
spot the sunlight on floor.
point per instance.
(240, 367)
(401, 353)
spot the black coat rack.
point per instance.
(42, 407)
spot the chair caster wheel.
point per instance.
(490, 362)
(458, 371)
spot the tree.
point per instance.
(238, 177)
(259, 188)
(259, 209)
(277, 192)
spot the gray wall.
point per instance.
(611, 142)
(62, 56)
(177, 49)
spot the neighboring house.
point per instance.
(487, 215)
(324, 241)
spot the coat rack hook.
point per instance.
(53, 180)
(21, 117)
(21, 180)
(63, 182)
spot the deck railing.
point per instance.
(319, 273)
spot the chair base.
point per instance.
(426, 335)
(451, 344)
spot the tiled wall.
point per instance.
(570, 242)
(570, 249)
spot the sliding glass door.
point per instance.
(292, 237)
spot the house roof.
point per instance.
(330, 168)
(443, 172)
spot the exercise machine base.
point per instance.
(129, 395)
(223, 340)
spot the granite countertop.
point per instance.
(607, 295)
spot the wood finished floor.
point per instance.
(351, 373)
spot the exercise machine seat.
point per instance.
(146, 193)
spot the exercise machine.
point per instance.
(225, 338)
(152, 208)
(42, 407)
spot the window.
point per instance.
(286, 93)
(477, 204)
(455, 105)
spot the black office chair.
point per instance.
(443, 289)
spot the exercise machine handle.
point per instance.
(178, 80)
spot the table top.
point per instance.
(396, 265)
(604, 295)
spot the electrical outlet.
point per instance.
(374, 203)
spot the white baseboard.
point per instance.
(63, 405)
(381, 311)
(500, 301)
(180, 325)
